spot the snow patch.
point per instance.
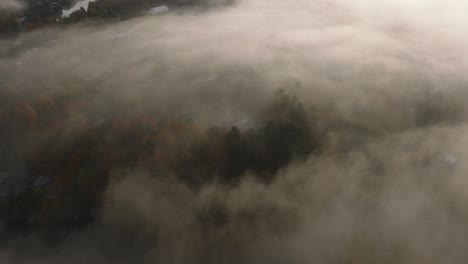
(158, 10)
(81, 4)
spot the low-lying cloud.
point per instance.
(384, 88)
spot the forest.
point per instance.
(66, 180)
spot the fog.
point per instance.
(11, 6)
(384, 87)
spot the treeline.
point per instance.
(36, 13)
(40, 13)
(69, 160)
(123, 9)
